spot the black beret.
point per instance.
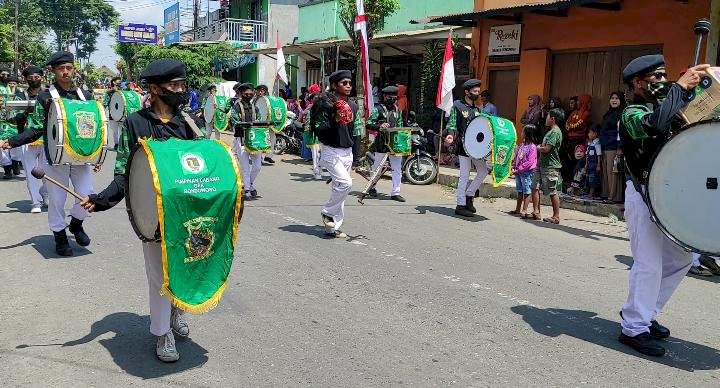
(32, 70)
(12, 78)
(471, 83)
(243, 87)
(164, 70)
(642, 65)
(59, 58)
(340, 75)
(259, 87)
(390, 90)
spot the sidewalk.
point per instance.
(449, 177)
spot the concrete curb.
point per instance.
(449, 177)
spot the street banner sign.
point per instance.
(505, 40)
(172, 24)
(137, 33)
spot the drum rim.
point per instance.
(58, 146)
(468, 127)
(128, 200)
(648, 201)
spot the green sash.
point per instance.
(503, 147)
(195, 181)
(221, 120)
(399, 142)
(256, 140)
(84, 126)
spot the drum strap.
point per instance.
(56, 96)
(191, 123)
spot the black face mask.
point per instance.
(246, 99)
(473, 96)
(34, 84)
(390, 102)
(174, 99)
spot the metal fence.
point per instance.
(233, 30)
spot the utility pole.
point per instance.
(17, 35)
(196, 17)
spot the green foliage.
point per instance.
(79, 19)
(7, 37)
(197, 58)
(32, 47)
(375, 11)
(128, 52)
(431, 64)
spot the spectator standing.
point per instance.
(524, 163)
(593, 155)
(612, 178)
(533, 113)
(576, 126)
(487, 106)
(549, 179)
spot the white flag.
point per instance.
(280, 66)
(446, 85)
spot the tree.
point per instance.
(31, 45)
(199, 59)
(375, 13)
(128, 52)
(7, 36)
(77, 19)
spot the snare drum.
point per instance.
(272, 109)
(76, 132)
(399, 141)
(478, 138)
(682, 190)
(123, 103)
(256, 139)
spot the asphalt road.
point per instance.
(414, 297)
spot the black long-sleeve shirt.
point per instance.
(330, 132)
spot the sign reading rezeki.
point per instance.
(505, 40)
(172, 24)
(137, 33)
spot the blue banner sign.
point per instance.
(172, 24)
(137, 33)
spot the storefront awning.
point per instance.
(549, 8)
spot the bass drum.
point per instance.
(682, 193)
(123, 103)
(57, 145)
(273, 110)
(140, 197)
(478, 138)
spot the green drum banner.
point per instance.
(195, 181)
(256, 140)
(7, 131)
(133, 101)
(400, 142)
(84, 127)
(221, 120)
(277, 113)
(503, 147)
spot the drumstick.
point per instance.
(701, 28)
(40, 174)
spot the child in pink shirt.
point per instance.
(523, 165)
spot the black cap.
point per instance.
(12, 78)
(390, 90)
(32, 70)
(164, 70)
(642, 65)
(60, 58)
(212, 87)
(471, 83)
(262, 87)
(243, 87)
(340, 75)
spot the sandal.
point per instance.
(552, 220)
(526, 216)
(514, 213)
(535, 216)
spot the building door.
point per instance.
(504, 91)
(597, 73)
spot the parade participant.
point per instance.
(311, 141)
(163, 120)
(33, 153)
(262, 91)
(245, 112)
(219, 120)
(386, 114)
(62, 65)
(113, 126)
(10, 159)
(333, 119)
(659, 264)
(462, 113)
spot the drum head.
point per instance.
(263, 106)
(117, 106)
(209, 110)
(478, 138)
(54, 134)
(683, 188)
(141, 197)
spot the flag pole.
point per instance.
(440, 145)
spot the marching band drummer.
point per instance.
(245, 111)
(62, 65)
(462, 113)
(162, 120)
(659, 264)
(386, 115)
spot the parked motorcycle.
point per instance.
(291, 137)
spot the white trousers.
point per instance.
(658, 268)
(5, 159)
(33, 156)
(337, 161)
(160, 307)
(396, 165)
(81, 178)
(463, 189)
(250, 164)
(115, 127)
(210, 130)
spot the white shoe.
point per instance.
(165, 349)
(178, 323)
(36, 209)
(318, 176)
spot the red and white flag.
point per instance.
(280, 65)
(446, 85)
(361, 27)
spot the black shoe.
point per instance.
(710, 264)
(469, 204)
(656, 330)
(269, 160)
(62, 246)
(463, 211)
(15, 167)
(398, 198)
(373, 193)
(643, 343)
(254, 194)
(699, 271)
(77, 230)
(335, 234)
(328, 221)
(8, 172)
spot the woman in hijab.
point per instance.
(576, 125)
(612, 182)
(533, 115)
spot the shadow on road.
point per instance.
(298, 177)
(23, 206)
(593, 235)
(624, 259)
(133, 348)
(45, 246)
(628, 260)
(587, 326)
(316, 231)
(449, 212)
